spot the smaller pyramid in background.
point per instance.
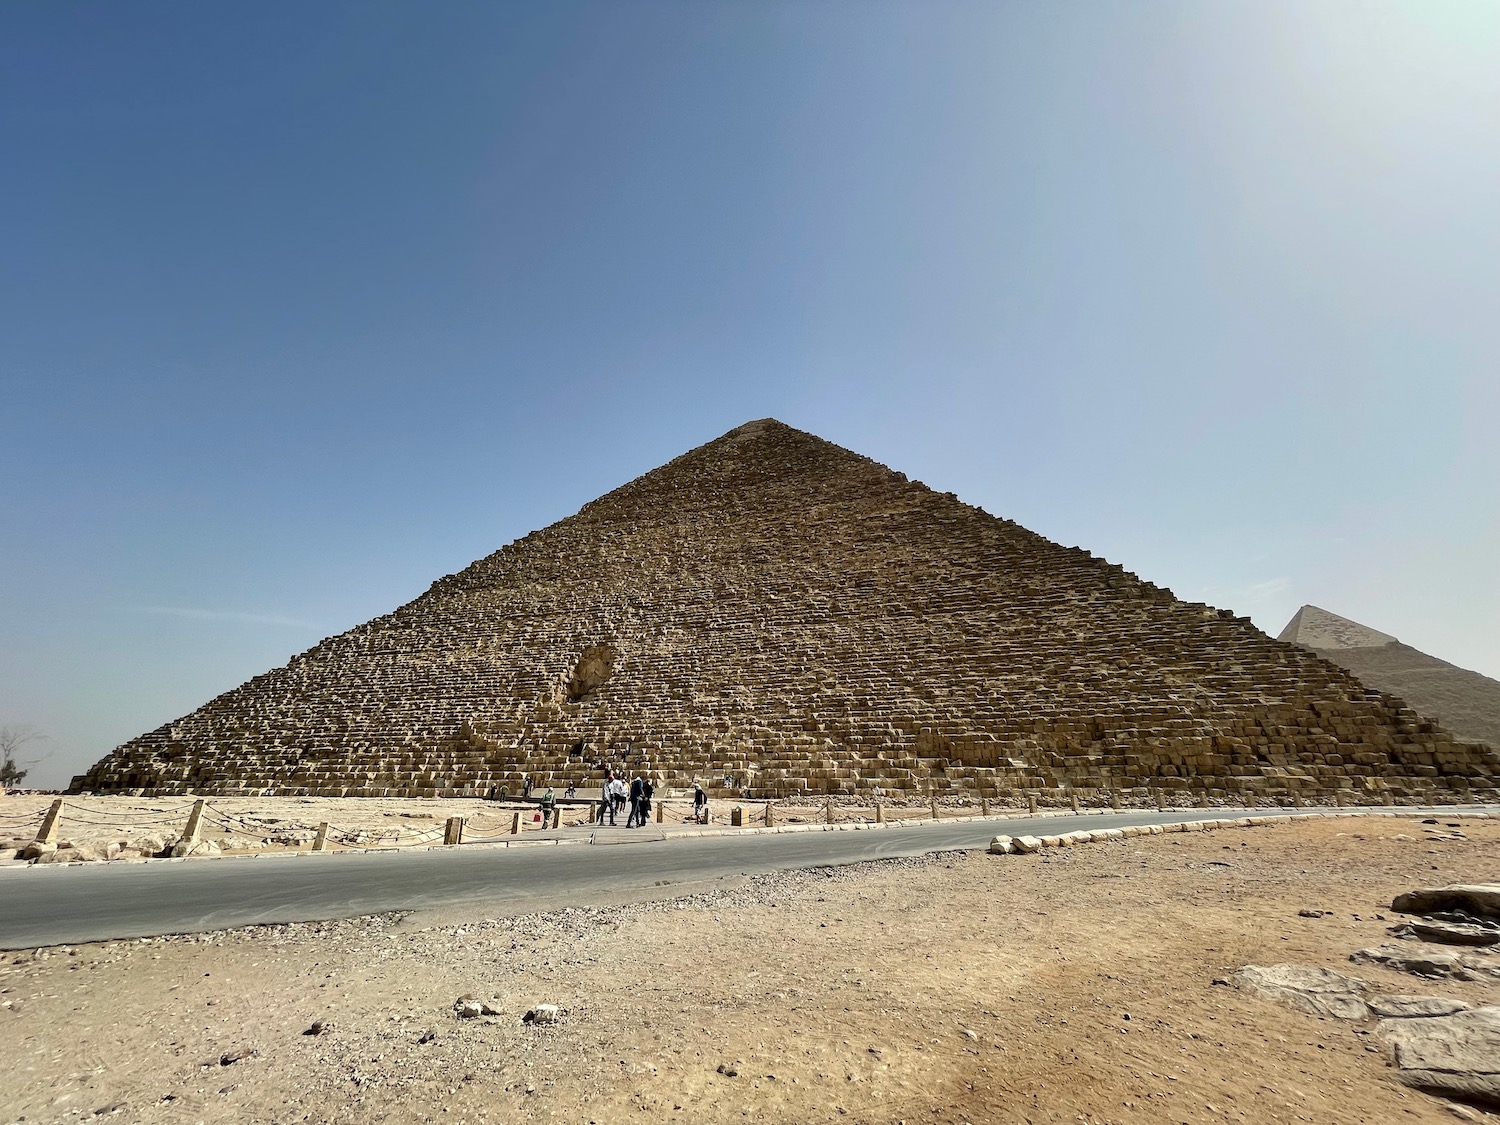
(1467, 703)
(1312, 627)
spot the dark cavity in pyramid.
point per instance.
(773, 610)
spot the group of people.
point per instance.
(615, 794)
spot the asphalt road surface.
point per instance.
(66, 905)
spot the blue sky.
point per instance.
(303, 306)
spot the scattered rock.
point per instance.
(427, 1036)
(1001, 845)
(194, 847)
(1430, 963)
(35, 850)
(1026, 844)
(1322, 992)
(229, 1058)
(1314, 913)
(318, 1028)
(467, 1008)
(1454, 1056)
(1415, 1007)
(1449, 932)
(149, 845)
(1479, 900)
(729, 1070)
(80, 853)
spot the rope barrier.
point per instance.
(250, 827)
(350, 839)
(131, 826)
(485, 827)
(111, 816)
(116, 810)
(137, 821)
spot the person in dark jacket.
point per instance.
(637, 789)
(647, 792)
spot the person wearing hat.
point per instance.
(549, 809)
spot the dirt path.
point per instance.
(1075, 986)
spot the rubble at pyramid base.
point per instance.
(772, 613)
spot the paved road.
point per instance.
(67, 904)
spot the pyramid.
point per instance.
(1312, 627)
(1465, 702)
(770, 611)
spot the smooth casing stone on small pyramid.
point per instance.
(772, 612)
(1466, 702)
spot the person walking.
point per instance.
(617, 794)
(647, 792)
(637, 787)
(700, 804)
(607, 800)
(549, 809)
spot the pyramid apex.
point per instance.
(1314, 627)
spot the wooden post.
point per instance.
(454, 833)
(828, 810)
(1161, 800)
(1073, 800)
(320, 841)
(934, 807)
(195, 822)
(47, 833)
(984, 806)
(879, 813)
(1114, 800)
(770, 816)
(593, 812)
(1338, 798)
(1031, 803)
(737, 817)
(515, 825)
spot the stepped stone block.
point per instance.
(773, 612)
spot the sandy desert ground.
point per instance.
(1076, 986)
